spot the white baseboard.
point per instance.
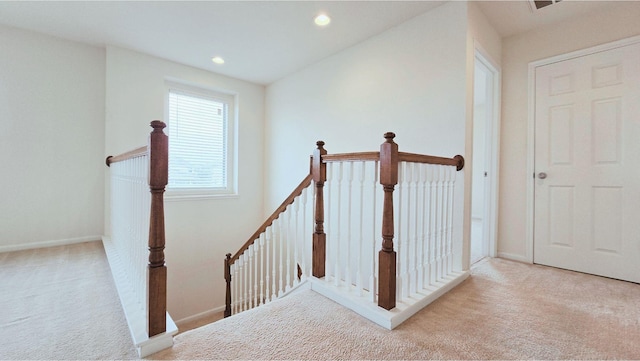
(199, 316)
(52, 243)
(513, 257)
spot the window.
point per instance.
(200, 130)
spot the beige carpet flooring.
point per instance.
(505, 310)
(60, 303)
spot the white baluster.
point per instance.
(375, 234)
(272, 247)
(256, 282)
(424, 223)
(304, 236)
(262, 268)
(415, 260)
(452, 179)
(397, 221)
(436, 230)
(250, 282)
(443, 210)
(296, 238)
(287, 239)
(403, 250)
(241, 282)
(408, 266)
(445, 219)
(348, 238)
(359, 282)
(280, 243)
(328, 225)
(439, 187)
(234, 282)
(337, 275)
(432, 225)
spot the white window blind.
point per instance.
(198, 141)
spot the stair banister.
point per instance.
(427, 273)
(273, 220)
(148, 164)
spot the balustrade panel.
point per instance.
(425, 225)
(130, 208)
(353, 206)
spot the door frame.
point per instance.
(530, 224)
(492, 150)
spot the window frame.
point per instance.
(229, 98)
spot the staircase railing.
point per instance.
(136, 246)
(274, 259)
(357, 192)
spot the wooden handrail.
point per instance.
(296, 192)
(457, 161)
(343, 157)
(128, 155)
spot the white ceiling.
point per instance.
(515, 17)
(261, 41)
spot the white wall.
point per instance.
(410, 80)
(620, 21)
(482, 33)
(199, 232)
(51, 140)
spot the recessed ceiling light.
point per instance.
(322, 20)
(217, 60)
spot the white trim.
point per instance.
(230, 98)
(494, 153)
(199, 316)
(587, 51)
(159, 342)
(529, 246)
(52, 243)
(531, 128)
(177, 197)
(513, 257)
(363, 306)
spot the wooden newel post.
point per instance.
(158, 178)
(319, 172)
(387, 256)
(227, 278)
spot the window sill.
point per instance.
(180, 197)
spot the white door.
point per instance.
(587, 164)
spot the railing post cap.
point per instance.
(228, 255)
(460, 160)
(320, 144)
(158, 124)
(389, 136)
